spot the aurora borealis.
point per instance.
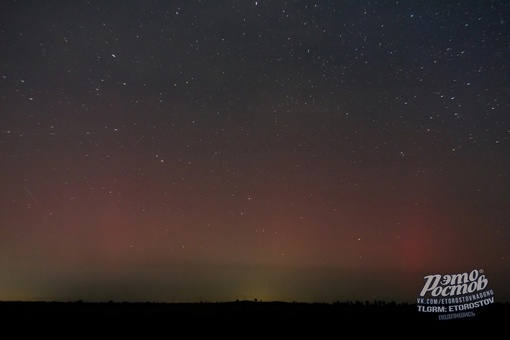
(271, 150)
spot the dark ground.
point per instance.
(252, 317)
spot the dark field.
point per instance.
(366, 317)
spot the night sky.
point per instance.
(308, 151)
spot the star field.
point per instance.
(215, 150)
